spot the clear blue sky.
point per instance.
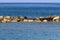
(33, 1)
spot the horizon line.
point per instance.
(29, 3)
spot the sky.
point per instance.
(29, 1)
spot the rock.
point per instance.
(25, 20)
(25, 17)
(8, 17)
(30, 21)
(17, 18)
(1, 18)
(4, 21)
(21, 17)
(45, 21)
(37, 20)
(13, 20)
(56, 18)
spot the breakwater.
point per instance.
(5, 19)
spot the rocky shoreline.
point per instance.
(5, 19)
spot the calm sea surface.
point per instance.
(30, 10)
(33, 30)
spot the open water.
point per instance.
(33, 30)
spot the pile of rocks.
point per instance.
(5, 19)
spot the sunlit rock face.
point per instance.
(26, 19)
(6, 19)
(45, 20)
(30, 20)
(1, 18)
(37, 20)
(17, 18)
(56, 18)
(13, 20)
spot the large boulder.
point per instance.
(56, 18)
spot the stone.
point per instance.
(56, 18)
(8, 17)
(25, 20)
(1, 17)
(13, 20)
(45, 21)
(30, 20)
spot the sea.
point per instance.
(30, 30)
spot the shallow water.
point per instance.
(30, 31)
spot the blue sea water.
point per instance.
(30, 9)
(30, 31)
(33, 30)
